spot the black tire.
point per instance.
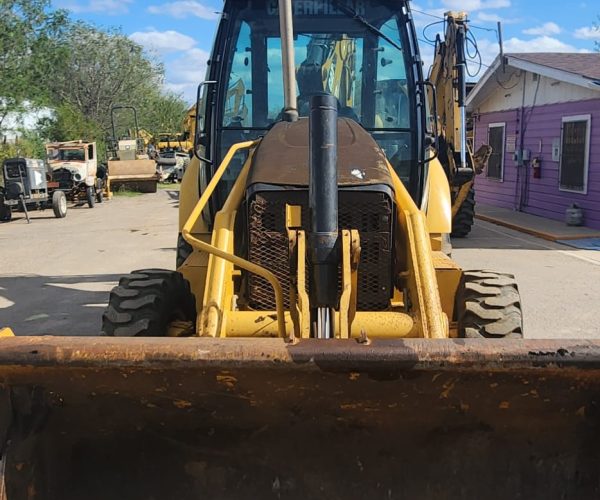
(5, 212)
(488, 305)
(184, 250)
(90, 196)
(146, 302)
(464, 219)
(99, 195)
(59, 204)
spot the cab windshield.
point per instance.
(70, 155)
(334, 53)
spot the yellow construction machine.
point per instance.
(315, 341)
(448, 94)
(189, 123)
(171, 141)
(129, 165)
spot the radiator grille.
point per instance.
(64, 178)
(369, 212)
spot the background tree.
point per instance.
(77, 72)
(28, 32)
(102, 69)
(162, 112)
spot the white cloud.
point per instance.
(489, 18)
(539, 44)
(191, 66)
(587, 33)
(182, 9)
(544, 30)
(486, 17)
(186, 72)
(163, 42)
(185, 63)
(109, 7)
(474, 5)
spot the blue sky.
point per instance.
(180, 32)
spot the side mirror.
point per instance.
(200, 138)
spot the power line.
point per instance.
(443, 19)
(472, 57)
(482, 28)
(427, 14)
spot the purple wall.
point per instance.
(541, 196)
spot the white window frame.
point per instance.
(586, 166)
(503, 126)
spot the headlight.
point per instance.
(77, 177)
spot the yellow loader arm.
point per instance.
(449, 80)
(448, 77)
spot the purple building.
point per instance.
(540, 112)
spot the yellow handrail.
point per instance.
(435, 326)
(238, 261)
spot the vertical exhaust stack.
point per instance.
(286, 28)
(323, 211)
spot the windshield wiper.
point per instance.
(357, 17)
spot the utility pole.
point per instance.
(501, 43)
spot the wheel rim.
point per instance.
(63, 204)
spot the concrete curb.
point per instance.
(535, 232)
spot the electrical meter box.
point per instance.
(556, 150)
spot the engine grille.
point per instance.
(369, 212)
(64, 178)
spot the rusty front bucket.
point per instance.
(103, 418)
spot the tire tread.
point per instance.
(488, 305)
(462, 223)
(146, 301)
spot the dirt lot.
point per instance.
(55, 274)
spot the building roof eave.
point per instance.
(483, 88)
(482, 83)
(554, 73)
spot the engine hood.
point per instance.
(73, 167)
(282, 156)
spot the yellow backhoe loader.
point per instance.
(315, 341)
